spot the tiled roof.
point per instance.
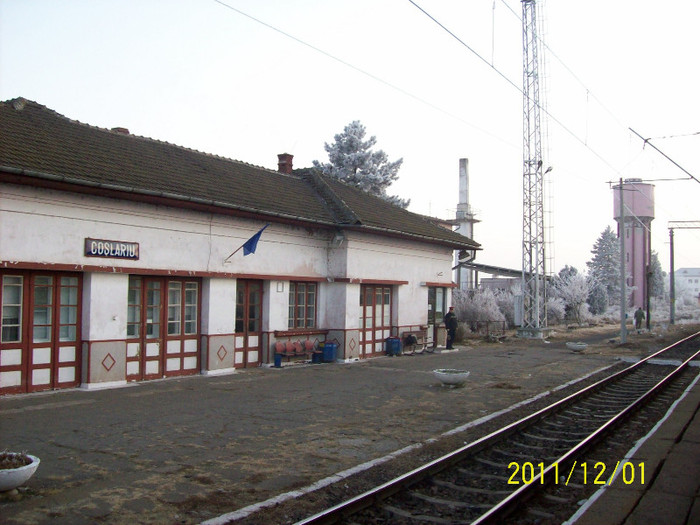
(38, 143)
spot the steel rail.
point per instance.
(393, 486)
(525, 492)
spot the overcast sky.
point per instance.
(248, 79)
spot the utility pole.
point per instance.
(533, 249)
(673, 282)
(623, 276)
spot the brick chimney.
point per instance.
(284, 164)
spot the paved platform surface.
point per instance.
(141, 453)
(670, 494)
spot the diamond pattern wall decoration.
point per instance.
(108, 362)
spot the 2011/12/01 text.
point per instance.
(584, 473)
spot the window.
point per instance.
(43, 309)
(174, 307)
(153, 309)
(191, 292)
(302, 305)
(68, 309)
(133, 317)
(11, 309)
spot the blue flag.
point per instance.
(252, 243)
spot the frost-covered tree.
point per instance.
(477, 305)
(352, 160)
(505, 300)
(573, 289)
(604, 270)
(556, 310)
(656, 284)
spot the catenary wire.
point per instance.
(364, 72)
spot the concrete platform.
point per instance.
(190, 449)
(670, 494)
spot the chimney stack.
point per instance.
(284, 164)
(463, 204)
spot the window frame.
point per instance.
(304, 311)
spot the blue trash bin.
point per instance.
(278, 360)
(329, 352)
(393, 346)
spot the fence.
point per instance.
(488, 328)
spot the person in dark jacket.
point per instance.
(638, 318)
(451, 326)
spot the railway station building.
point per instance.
(119, 261)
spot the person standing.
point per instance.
(638, 318)
(451, 326)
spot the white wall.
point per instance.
(44, 226)
(105, 298)
(49, 226)
(218, 306)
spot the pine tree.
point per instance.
(656, 284)
(604, 271)
(352, 161)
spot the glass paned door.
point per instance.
(182, 339)
(436, 312)
(40, 331)
(375, 318)
(248, 323)
(162, 328)
(144, 346)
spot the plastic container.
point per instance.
(329, 352)
(278, 360)
(393, 346)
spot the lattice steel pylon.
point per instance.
(534, 294)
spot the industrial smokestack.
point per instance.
(463, 204)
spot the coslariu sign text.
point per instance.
(111, 249)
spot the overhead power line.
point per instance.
(363, 72)
(583, 142)
(647, 141)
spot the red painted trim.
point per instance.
(62, 267)
(356, 280)
(295, 333)
(441, 285)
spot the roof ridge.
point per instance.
(19, 103)
(340, 210)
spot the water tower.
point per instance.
(638, 198)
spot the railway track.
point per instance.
(535, 470)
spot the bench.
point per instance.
(311, 350)
(285, 350)
(412, 339)
(296, 349)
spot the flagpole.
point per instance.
(250, 244)
(234, 253)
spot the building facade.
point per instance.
(119, 259)
(688, 279)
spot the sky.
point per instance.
(248, 79)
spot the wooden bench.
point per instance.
(412, 339)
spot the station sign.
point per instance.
(111, 249)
